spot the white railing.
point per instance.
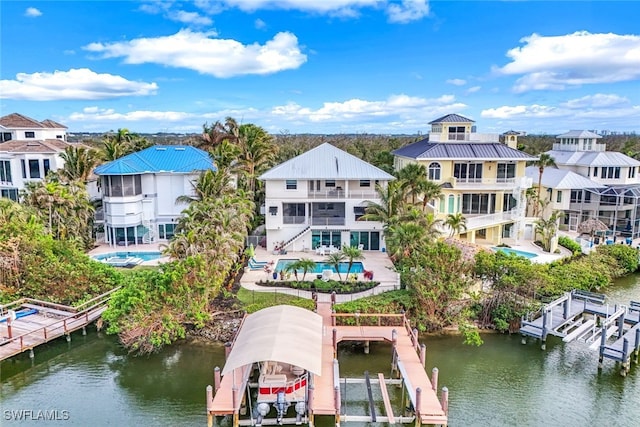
(342, 194)
(328, 221)
(286, 219)
(464, 137)
(481, 221)
(579, 147)
(502, 183)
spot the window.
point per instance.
(59, 137)
(10, 193)
(595, 172)
(559, 197)
(576, 196)
(632, 172)
(5, 171)
(587, 197)
(24, 169)
(359, 211)
(456, 133)
(434, 171)
(365, 183)
(6, 136)
(29, 134)
(273, 210)
(46, 166)
(330, 183)
(294, 213)
(478, 203)
(166, 231)
(291, 184)
(34, 169)
(468, 172)
(508, 202)
(610, 172)
(506, 171)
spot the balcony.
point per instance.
(327, 221)
(464, 137)
(579, 147)
(491, 183)
(490, 220)
(294, 219)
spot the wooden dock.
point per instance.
(27, 323)
(325, 399)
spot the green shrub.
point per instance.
(626, 256)
(573, 246)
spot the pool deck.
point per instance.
(152, 247)
(375, 261)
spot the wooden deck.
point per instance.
(50, 321)
(616, 350)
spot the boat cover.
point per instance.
(283, 333)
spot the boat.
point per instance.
(281, 385)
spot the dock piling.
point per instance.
(418, 405)
(434, 379)
(335, 343)
(216, 378)
(84, 331)
(423, 354)
(209, 406)
(227, 350)
(445, 400)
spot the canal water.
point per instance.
(92, 381)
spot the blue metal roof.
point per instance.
(159, 158)
(461, 150)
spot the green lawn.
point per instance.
(253, 301)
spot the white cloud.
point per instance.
(200, 52)
(407, 11)
(98, 114)
(457, 82)
(558, 62)
(32, 12)
(193, 18)
(591, 110)
(473, 89)
(76, 84)
(260, 24)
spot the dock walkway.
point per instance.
(27, 323)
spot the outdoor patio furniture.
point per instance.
(326, 275)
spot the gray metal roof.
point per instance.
(511, 132)
(592, 158)
(461, 151)
(620, 190)
(579, 134)
(560, 179)
(452, 118)
(325, 162)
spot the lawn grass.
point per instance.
(253, 301)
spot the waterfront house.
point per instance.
(140, 191)
(614, 197)
(316, 199)
(29, 149)
(480, 176)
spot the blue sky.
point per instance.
(322, 66)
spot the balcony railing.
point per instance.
(505, 183)
(464, 137)
(579, 147)
(482, 221)
(319, 221)
(294, 219)
(342, 194)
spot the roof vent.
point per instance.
(179, 148)
(161, 148)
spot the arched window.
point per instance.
(434, 171)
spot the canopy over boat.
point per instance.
(282, 333)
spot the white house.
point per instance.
(316, 198)
(18, 127)
(140, 191)
(614, 197)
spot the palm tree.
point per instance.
(547, 228)
(544, 161)
(413, 177)
(304, 264)
(352, 253)
(429, 190)
(456, 222)
(257, 153)
(392, 199)
(79, 162)
(334, 260)
(210, 184)
(213, 135)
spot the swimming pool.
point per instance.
(357, 266)
(515, 252)
(145, 256)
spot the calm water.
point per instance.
(356, 267)
(502, 383)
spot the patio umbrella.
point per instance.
(590, 226)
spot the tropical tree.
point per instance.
(456, 222)
(351, 253)
(79, 162)
(544, 161)
(214, 134)
(335, 259)
(210, 183)
(413, 178)
(429, 190)
(548, 228)
(392, 200)
(257, 153)
(304, 264)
